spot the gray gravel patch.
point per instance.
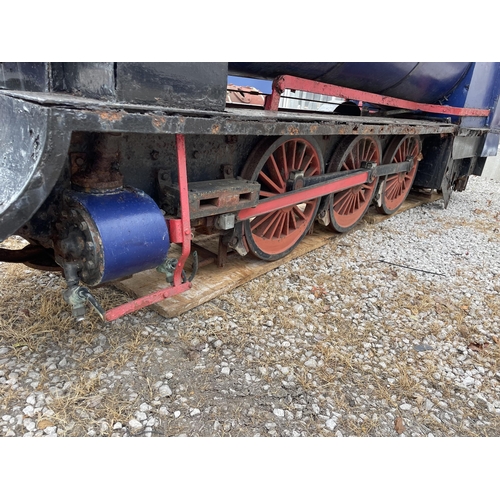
(398, 320)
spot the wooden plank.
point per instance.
(211, 281)
(412, 201)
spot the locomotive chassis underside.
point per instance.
(60, 131)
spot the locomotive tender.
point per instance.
(104, 165)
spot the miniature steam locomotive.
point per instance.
(103, 166)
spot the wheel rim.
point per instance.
(348, 207)
(395, 188)
(272, 236)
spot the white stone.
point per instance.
(311, 363)
(177, 414)
(331, 424)
(135, 425)
(279, 412)
(140, 415)
(405, 406)
(298, 308)
(225, 370)
(194, 411)
(29, 410)
(29, 425)
(165, 391)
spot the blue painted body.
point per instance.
(132, 230)
(421, 82)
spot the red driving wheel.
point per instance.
(273, 235)
(349, 206)
(395, 188)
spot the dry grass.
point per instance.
(252, 324)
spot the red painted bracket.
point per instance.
(181, 234)
(294, 83)
(175, 230)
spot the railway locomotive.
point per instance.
(104, 166)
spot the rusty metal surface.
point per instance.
(101, 171)
(212, 197)
(78, 114)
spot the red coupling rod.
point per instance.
(308, 193)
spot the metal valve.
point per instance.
(77, 296)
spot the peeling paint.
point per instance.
(159, 122)
(111, 116)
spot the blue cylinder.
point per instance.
(125, 233)
(425, 82)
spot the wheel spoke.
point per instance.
(263, 177)
(342, 204)
(273, 228)
(291, 157)
(275, 172)
(301, 155)
(261, 219)
(296, 210)
(306, 162)
(266, 194)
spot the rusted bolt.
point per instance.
(90, 264)
(80, 161)
(154, 154)
(83, 226)
(164, 176)
(227, 171)
(196, 154)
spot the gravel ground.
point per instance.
(391, 330)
